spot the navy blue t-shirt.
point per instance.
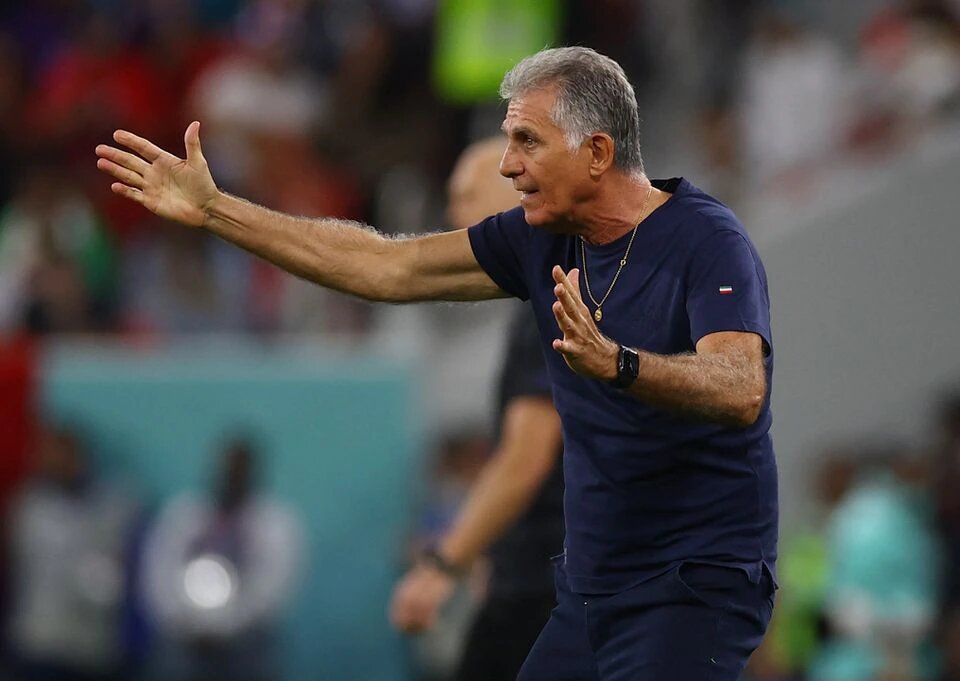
(647, 488)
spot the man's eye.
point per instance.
(528, 141)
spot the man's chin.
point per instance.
(543, 220)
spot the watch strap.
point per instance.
(431, 556)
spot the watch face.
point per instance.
(632, 362)
(628, 367)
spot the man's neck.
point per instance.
(622, 203)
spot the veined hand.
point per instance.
(173, 188)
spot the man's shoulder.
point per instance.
(704, 212)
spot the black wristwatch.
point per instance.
(431, 556)
(628, 368)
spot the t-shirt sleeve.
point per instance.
(727, 288)
(499, 243)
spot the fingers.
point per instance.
(573, 276)
(416, 602)
(572, 305)
(191, 140)
(570, 281)
(563, 319)
(410, 615)
(127, 192)
(126, 176)
(144, 147)
(122, 158)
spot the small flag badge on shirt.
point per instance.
(726, 289)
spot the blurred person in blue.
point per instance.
(218, 570)
(652, 308)
(514, 511)
(883, 581)
(68, 535)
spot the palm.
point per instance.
(176, 191)
(173, 188)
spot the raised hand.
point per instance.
(418, 598)
(173, 188)
(585, 350)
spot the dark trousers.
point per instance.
(696, 622)
(501, 635)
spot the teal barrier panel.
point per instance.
(341, 444)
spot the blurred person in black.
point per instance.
(217, 573)
(515, 508)
(68, 534)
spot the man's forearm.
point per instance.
(509, 482)
(339, 254)
(726, 388)
(495, 502)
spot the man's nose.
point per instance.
(509, 164)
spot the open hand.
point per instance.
(173, 188)
(418, 598)
(585, 350)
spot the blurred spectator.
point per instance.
(95, 83)
(258, 95)
(57, 264)
(67, 538)
(181, 281)
(218, 571)
(264, 109)
(176, 50)
(883, 583)
(799, 622)
(910, 57)
(793, 101)
(723, 31)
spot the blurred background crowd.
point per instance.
(792, 111)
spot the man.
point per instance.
(660, 374)
(218, 569)
(517, 501)
(69, 537)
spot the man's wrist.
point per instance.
(432, 557)
(610, 361)
(212, 208)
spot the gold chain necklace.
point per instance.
(598, 313)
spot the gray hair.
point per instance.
(593, 95)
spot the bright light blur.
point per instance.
(209, 581)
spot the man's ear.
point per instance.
(601, 150)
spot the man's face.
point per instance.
(552, 180)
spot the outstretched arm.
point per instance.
(338, 254)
